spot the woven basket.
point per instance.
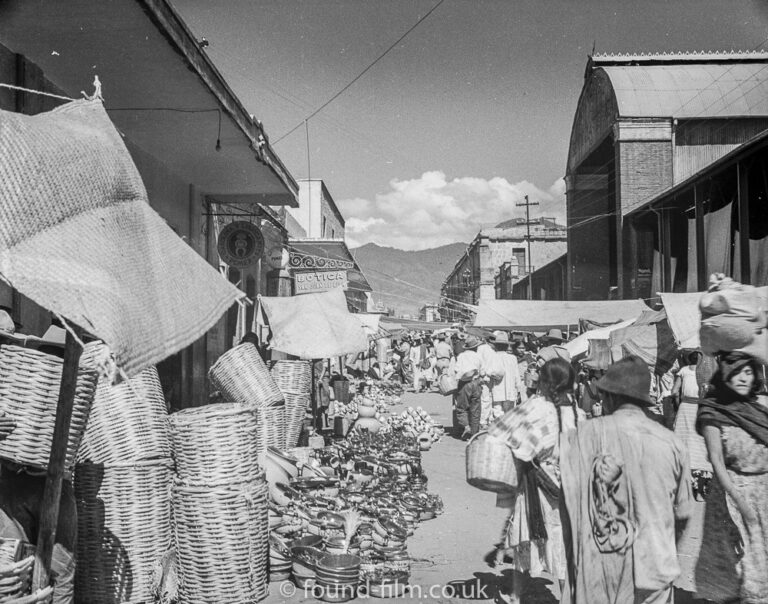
(293, 377)
(241, 376)
(221, 540)
(29, 393)
(128, 422)
(216, 444)
(491, 466)
(295, 413)
(124, 527)
(271, 428)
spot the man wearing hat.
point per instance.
(508, 389)
(467, 402)
(626, 481)
(553, 337)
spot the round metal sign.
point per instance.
(240, 244)
(277, 256)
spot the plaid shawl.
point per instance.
(528, 428)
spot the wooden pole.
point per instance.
(701, 244)
(49, 507)
(742, 173)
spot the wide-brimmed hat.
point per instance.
(630, 378)
(500, 337)
(471, 342)
(554, 334)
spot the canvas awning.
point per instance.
(314, 326)
(580, 345)
(540, 315)
(684, 316)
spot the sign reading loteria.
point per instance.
(316, 281)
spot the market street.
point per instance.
(448, 553)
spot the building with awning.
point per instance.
(204, 159)
(319, 265)
(644, 127)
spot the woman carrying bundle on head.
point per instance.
(533, 537)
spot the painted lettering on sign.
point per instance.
(315, 281)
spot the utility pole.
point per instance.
(527, 206)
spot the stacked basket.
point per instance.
(242, 376)
(294, 378)
(122, 481)
(220, 506)
(29, 394)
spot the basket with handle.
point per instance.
(128, 422)
(293, 377)
(221, 537)
(242, 376)
(29, 394)
(124, 527)
(217, 443)
(490, 464)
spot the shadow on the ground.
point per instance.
(489, 586)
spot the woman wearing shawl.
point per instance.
(733, 562)
(533, 537)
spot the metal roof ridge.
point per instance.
(688, 56)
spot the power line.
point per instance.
(361, 74)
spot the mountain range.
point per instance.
(406, 280)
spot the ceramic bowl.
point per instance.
(339, 562)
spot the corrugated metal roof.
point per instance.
(690, 90)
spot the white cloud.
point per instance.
(431, 211)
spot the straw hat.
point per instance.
(554, 335)
(500, 337)
(471, 342)
(628, 377)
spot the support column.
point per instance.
(633, 260)
(666, 250)
(742, 172)
(701, 247)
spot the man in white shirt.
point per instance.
(487, 361)
(509, 389)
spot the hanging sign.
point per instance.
(240, 244)
(277, 257)
(316, 281)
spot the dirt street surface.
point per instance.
(449, 551)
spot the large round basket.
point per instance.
(124, 527)
(491, 466)
(221, 538)
(295, 413)
(29, 394)
(241, 376)
(293, 377)
(128, 422)
(216, 444)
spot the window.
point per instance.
(519, 253)
(322, 230)
(333, 234)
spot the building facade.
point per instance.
(643, 125)
(499, 255)
(429, 313)
(545, 283)
(317, 212)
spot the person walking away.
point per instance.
(487, 367)
(467, 401)
(533, 537)
(443, 353)
(626, 482)
(509, 389)
(733, 561)
(590, 396)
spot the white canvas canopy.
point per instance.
(540, 315)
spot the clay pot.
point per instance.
(368, 423)
(365, 411)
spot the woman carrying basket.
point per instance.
(533, 537)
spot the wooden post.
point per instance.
(742, 173)
(49, 507)
(666, 250)
(701, 244)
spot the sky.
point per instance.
(465, 116)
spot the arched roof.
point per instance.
(690, 90)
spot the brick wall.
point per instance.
(645, 169)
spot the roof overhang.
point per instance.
(160, 88)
